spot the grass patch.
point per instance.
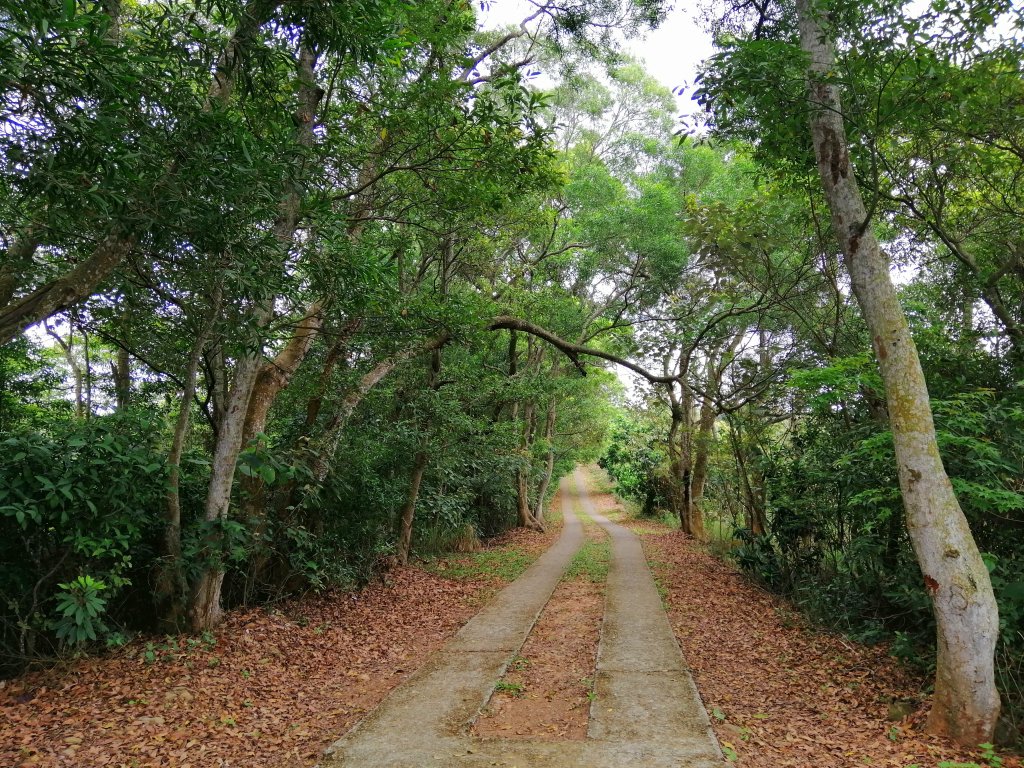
(600, 481)
(504, 564)
(590, 562)
(512, 689)
(658, 570)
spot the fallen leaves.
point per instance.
(780, 692)
(269, 688)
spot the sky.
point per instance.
(671, 53)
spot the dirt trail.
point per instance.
(646, 711)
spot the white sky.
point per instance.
(671, 53)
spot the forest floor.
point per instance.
(781, 692)
(274, 687)
(270, 688)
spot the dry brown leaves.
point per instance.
(274, 689)
(779, 692)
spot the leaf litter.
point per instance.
(781, 692)
(269, 688)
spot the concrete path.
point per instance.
(646, 711)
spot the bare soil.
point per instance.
(545, 694)
(547, 690)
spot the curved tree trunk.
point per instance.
(206, 610)
(966, 704)
(82, 280)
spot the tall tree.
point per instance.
(966, 701)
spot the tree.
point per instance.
(966, 701)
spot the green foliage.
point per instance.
(80, 513)
(634, 460)
(590, 562)
(79, 607)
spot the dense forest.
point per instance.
(292, 291)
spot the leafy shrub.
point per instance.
(81, 512)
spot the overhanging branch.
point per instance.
(573, 351)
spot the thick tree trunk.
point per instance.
(756, 521)
(271, 380)
(966, 704)
(675, 463)
(67, 290)
(681, 457)
(409, 508)
(206, 610)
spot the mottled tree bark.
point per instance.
(966, 703)
(171, 586)
(206, 609)
(122, 372)
(404, 547)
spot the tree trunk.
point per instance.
(171, 587)
(67, 347)
(756, 521)
(334, 355)
(271, 380)
(206, 610)
(675, 462)
(681, 456)
(122, 372)
(966, 703)
(702, 454)
(549, 468)
(82, 280)
(409, 508)
(524, 515)
(67, 290)
(323, 447)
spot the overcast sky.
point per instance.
(671, 53)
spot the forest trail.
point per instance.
(646, 711)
